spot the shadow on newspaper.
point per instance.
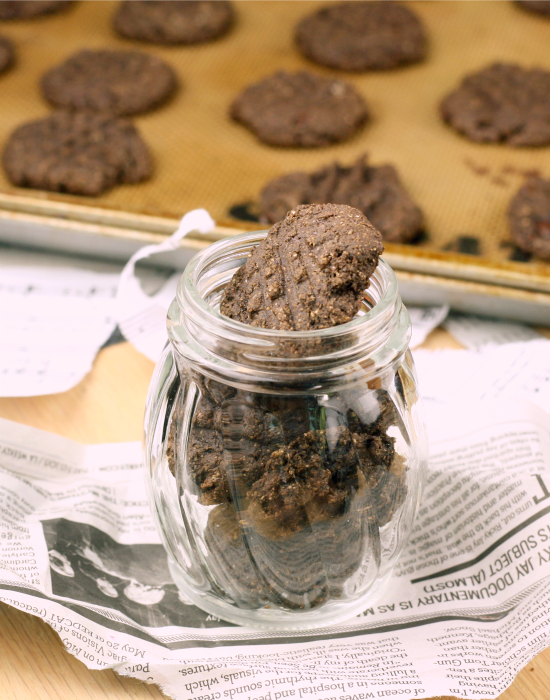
(89, 566)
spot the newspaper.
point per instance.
(476, 333)
(142, 317)
(423, 321)
(59, 312)
(58, 318)
(466, 609)
(516, 370)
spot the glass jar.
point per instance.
(285, 467)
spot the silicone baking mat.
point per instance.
(203, 159)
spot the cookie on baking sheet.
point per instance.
(173, 21)
(25, 9)
(115, 82)
(529, 217)
(360, 36)
(300, 109)
(7, 54)
(76, 152)
(503, 103)
(376, 191)
(540, 7)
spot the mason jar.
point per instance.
(285, 468)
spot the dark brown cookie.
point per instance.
(229, 557)
(310, 271)
(300, 109)
(359, 36)
(114, 82)
(77, 152)
(297, 487)
(529, 217)
(502, 103)
(540, 7)
(172, 21)
(288, 484)
(25, 9)
(7, 54)
(299, 571)
(376, 191)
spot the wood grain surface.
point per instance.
(107, 406)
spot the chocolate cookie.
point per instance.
(540, 7)
(229, 557)
(299, 571)
(502, 103)
(7, 54)
(172, 21)
(376, 191)
(25, 9)
(529, 217)
(309, 272)
(114, 82)
(361, 36)
(300, 109)
(76, 152)
(309, 507)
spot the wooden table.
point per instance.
(108, 407)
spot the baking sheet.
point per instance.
(205, 160)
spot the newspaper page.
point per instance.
(59, 311)
(142, 317)
(516, 370)
(466, 609)
(475, 333)
(70, 311)
(423, 321)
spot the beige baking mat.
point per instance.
(205, 160)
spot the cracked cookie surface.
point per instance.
(300, 109)
(503, 103)
(360, 36)
(113, 82)
(76, 152)
(376, 191)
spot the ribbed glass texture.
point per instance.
(285, 468)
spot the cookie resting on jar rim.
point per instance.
(285, 467)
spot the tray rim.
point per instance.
(35, 211)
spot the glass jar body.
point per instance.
(285, 470)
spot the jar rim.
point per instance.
(188, 293)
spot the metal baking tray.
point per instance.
(203, 159)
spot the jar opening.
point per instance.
(196, 319)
